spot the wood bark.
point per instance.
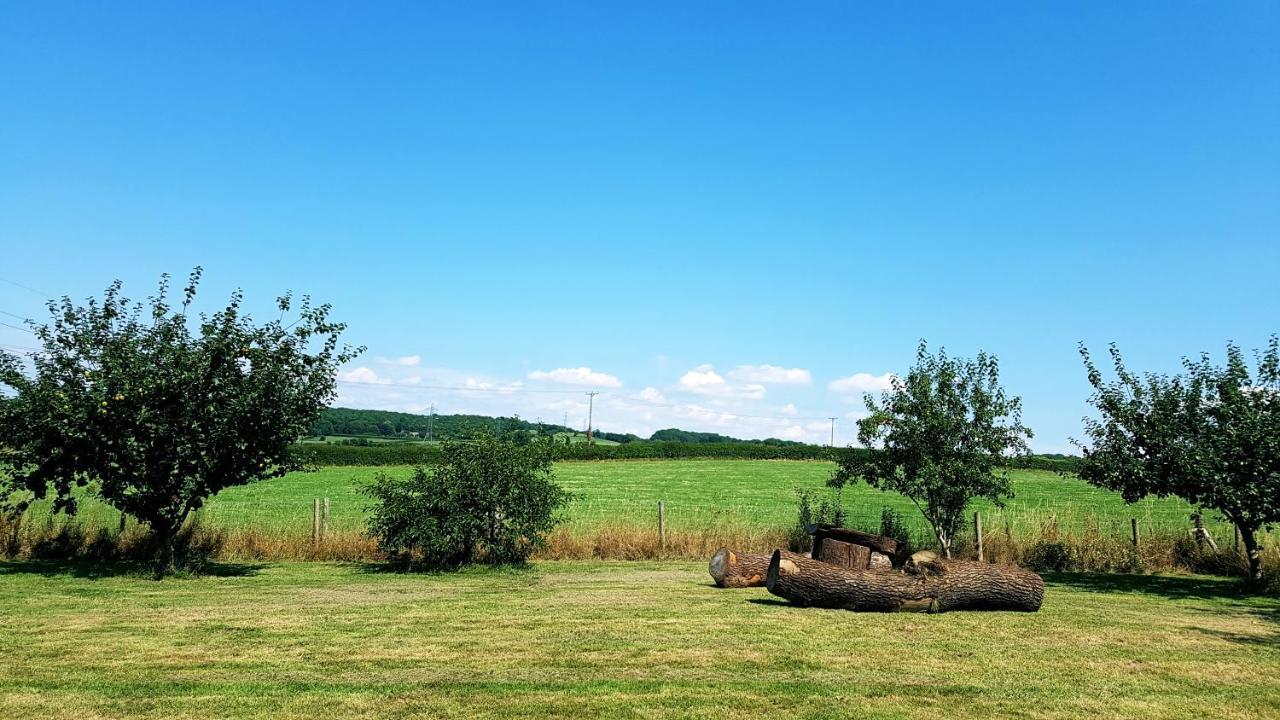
(738, 570)
(879, 543)
(940, 586)
(881, 562)
(844, 554)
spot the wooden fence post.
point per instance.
(662, 528)
(1133, 525)
(315, 520)
(977, 532)
(324, 519)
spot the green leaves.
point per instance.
(938, 436)
(161, 410)
(488, 500)
(1210, 436)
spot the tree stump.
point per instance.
(879, 543)
(940, 586)
(844, 554)
(738, 570)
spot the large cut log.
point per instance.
(844, 554)
(939, 586)
(879, 543)
(738, 570)
(880, 561)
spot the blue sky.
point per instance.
(669, 195)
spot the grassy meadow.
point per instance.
(722, 494)
(601, 639)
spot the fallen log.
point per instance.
(738, 570)
(949, 585)
(880, 561)
(879, 543)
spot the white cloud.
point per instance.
(704, 380)
(406, 361)
(363, 375)
(651, 394)
(486, 385)
(576, 376)
(793, 432)
(789, 409)
(861, 383)
(771, 374)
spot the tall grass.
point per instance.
(1040, 541)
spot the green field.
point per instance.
(648, 640)
(378, 439)
(697, 493)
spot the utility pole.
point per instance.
(591, 402)
(833, 431)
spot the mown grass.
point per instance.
(596, 639)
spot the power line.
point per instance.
(14, 315)
(16, 327)
(26, 287)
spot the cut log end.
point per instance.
(737, 570)
(721, 560)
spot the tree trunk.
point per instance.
(844, 554)
(738, 570)
(940, 586)
(166, 551)
(879, 543)
(944, 542)
(1252, 553)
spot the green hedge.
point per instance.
(418, 454)
(325, 454)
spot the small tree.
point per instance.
(488, 500)
(159, 410)
(941, 437)
(1210, 437)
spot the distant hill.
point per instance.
(388, 424)
(385, 423)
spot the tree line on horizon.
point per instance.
(395, 424)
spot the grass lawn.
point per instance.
(698, 494)
(643, 640)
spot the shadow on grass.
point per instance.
(397, 568)
(94, 570)
(1167, 586)
(771, 602)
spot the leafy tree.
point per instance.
(1210, 436)
(941, 436)
(161, 411)
(488, 500)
